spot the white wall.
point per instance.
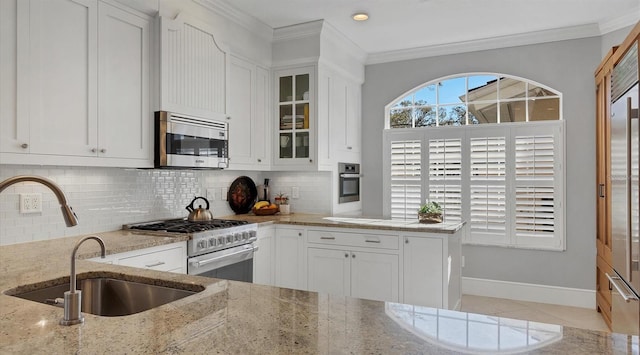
(612, 39)
(567, 66)
(106, 198)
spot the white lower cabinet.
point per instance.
(432, 270)
(353, 273)
(415, 268)
(329, 271)
(290, 270)
(422, 270)
(263, 257)
(169, 257)
(374, 276)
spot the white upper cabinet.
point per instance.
(59, 97)
(82, 85)
(193, 69)
(295, 135)
(248, 115)
(317, 100)
(339, 118)
(124, 116)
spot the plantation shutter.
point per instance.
(487, 188)
(406, 191)
(538, 188)
(445, 173)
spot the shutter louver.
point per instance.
(406, 186)
(487, 200)
(534, 212)
(535, 195)
(445, 172)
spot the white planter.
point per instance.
(285, 209)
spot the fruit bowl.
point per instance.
(265, 211)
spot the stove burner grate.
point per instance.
(185, 226)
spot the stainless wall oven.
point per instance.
(183, 141)
(349, 182)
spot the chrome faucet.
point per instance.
(73, 298)
(69, 216)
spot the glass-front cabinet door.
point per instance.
(294, 115)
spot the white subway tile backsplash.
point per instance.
(106, 198)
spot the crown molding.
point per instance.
(629, 19)
(331, 33)
(249, 22)
(301, 30)
(561, 34)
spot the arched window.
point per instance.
(471, 99)
(489, 148)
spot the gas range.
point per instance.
(205, 237)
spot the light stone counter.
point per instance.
(239, 318)
(319, 220)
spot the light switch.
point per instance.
(295, 192)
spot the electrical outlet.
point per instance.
(211, 194)
(31, 203)
(295, 192)
(462, 261)
(223, 193)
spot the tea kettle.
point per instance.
(199, 214)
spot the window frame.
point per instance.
(499, 101)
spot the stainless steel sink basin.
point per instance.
(110, 297)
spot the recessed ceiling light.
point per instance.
(360, 16)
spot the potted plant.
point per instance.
(430, 212)
(282, 200)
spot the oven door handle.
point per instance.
(195, 262)
(350, 176)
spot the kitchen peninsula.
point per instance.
(235, 317)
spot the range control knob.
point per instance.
(237, 237)
(221, 241)
(245, 235)
(202, 244)
(253, 235)
(229, 239)
(212, 242)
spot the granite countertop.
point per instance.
(319, 220)
(240, 318)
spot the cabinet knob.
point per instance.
(310, 160)
(349, 148)
(299, 234)
(103, 150)
(406, 240)
(24, 146)
(259, 160)
(93, 150)
(353, 256)
(346, 255)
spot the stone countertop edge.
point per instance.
(320, 220)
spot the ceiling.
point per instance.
(396, 25)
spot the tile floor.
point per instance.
(538, 312)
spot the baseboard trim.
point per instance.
(518, 291)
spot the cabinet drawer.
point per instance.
(163, 260)
(353, 239)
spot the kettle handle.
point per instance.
(190, 208)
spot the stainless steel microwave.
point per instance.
(183, 141)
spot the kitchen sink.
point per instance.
(111, 297)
